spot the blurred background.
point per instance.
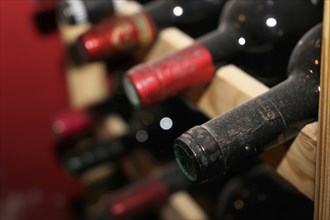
(32, 184)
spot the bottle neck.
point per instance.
(98, 152)
(296, 99)
(155, 81)
(116, 35)
(158, 11)
(221, 44)
(148, 194)
(249, 129)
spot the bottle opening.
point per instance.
(131, 92)
(185, 158)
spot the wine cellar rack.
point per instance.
(38, 173)
(230, 88)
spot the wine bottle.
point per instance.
(72, 122)
(152, 129)
(142, 196)
(225, 142)
(75, 128)
(119, 34)
(249, 27)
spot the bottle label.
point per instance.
(118, 34)
(157, 80)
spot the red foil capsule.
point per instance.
(116, 35)
(69, 123)
(152, 82)
(139, 199)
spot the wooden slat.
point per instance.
(322, 172)
(128, 8)
(86, 83)
(182, 206)
(230, 88)
(298, 165)
(165, 43)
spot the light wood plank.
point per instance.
(322, 172)
(182, 206)
(86, 83)
(230, 88)
(166, 44)
(298, 165)
(128, 8)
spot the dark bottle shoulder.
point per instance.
(306, 56)
(167, 13)
(264, 22)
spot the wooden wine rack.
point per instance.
(232, 87)
(229, 88)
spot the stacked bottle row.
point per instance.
(269, 40)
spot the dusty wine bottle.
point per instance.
(250, 27)
(142, 196)
(122, 34)
(226, 141)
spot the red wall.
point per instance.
(32, 184)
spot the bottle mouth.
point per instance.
(131, 92)
(198, 155)
(185, 158)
